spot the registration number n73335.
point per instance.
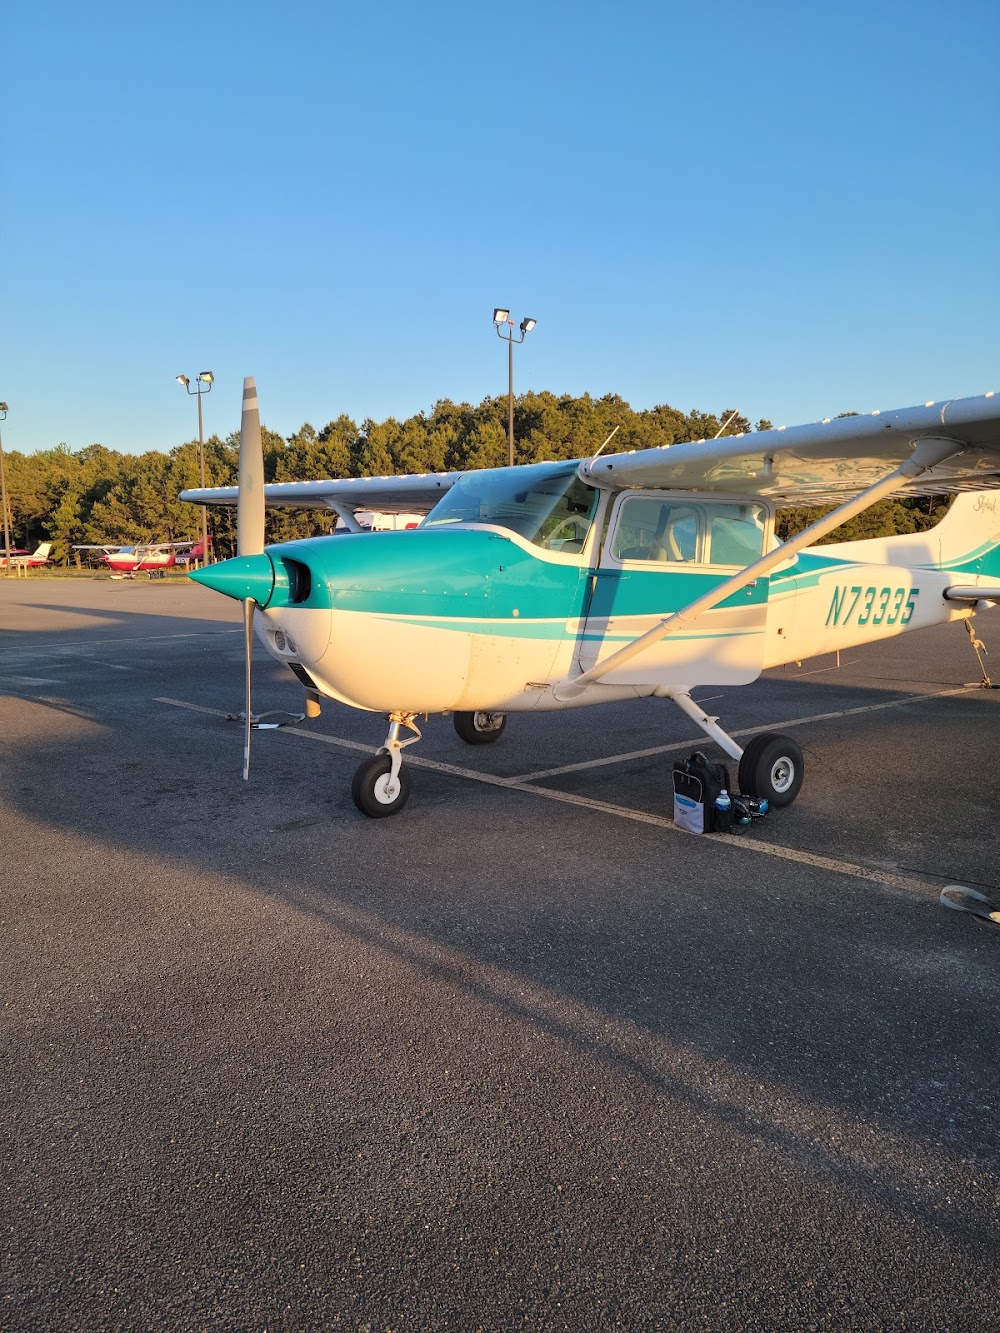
(871, 606)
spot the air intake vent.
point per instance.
(299, 580)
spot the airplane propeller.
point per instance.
(249, 528)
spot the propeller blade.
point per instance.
(250, 499)
(248, 610)
(249, 529)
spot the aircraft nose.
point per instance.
(245, 576)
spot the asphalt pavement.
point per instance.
(524, 1056)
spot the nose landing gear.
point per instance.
(381, 784)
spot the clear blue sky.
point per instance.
(786, 208)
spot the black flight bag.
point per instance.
(697, 784)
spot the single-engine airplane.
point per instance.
(20, 559)
(126, 561)
(621, 576)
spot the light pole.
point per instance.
(207, 379)
(502, 320)
(3, 501)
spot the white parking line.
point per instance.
(871, 874)
(745, 731)
(27, 680)
(65, 649)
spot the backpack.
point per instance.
(697, 782)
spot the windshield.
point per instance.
(546, 503)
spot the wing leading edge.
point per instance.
(388, 495)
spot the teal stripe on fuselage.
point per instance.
(463, 572)
(811, 567)
(644, 592)
(462, 576)
(467, 574)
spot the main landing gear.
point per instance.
(771, 766)
(480, 728)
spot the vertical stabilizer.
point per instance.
(970, 535)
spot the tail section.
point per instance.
(850, 593)
(970, 536)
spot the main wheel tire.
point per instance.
(480, 728)
(772, 767)
(372, 791)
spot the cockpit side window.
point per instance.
(664, 531)
(658, 530)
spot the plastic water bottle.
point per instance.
(723, 812)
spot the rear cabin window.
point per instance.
(689, 532)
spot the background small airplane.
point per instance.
(126, 561)
(27, 559)
(195, 553)
(621, 576)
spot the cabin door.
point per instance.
(661, 551)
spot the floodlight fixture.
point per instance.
(501, 318)
(3, 407)
(203, 384)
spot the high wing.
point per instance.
(143, 547)
(146, 547)
(820, 464)
(388, 495)
(825, 463)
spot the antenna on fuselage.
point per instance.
(607, 442)
(732, 414)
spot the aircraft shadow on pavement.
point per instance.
(771, 999)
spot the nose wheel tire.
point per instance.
(480, 728)
(374, 792)
(772, 767)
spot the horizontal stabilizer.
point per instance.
(970, 592)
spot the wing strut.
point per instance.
(345, 512)
(928, 453)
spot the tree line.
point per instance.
(97, 495)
